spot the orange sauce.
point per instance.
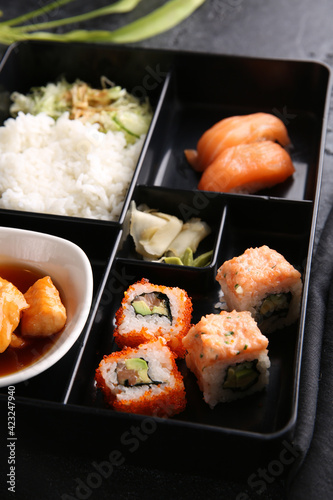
(14, 359)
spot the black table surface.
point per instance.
(297, 29)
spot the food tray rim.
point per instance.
(44, 404)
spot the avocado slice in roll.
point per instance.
(152, 303)
(134, 371)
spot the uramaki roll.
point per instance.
(143, 380)
(228, 354)
(150, 311)
(263, 282)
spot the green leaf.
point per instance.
(35, 13)
(116, 8)
(158, 21)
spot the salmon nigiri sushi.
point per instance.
(228, 354)
(247, 168)
(233, 131)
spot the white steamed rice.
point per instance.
(64, 167)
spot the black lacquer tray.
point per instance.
(189, 92)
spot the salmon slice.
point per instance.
(12, 302)
(47, 314)
(233, 131)
(247, 168)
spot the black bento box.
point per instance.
(189, 92)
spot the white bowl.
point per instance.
(70, 269)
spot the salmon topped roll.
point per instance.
(142, 380)
(149, 311)
(263, 282)
(247, 168)
(228, 354)
(233, 131)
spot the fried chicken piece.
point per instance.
(46, 314)
(12, 302)
(17, 342)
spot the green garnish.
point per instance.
(203, 259)
(158, 21)
(187, 259)
(176, 261)
(123, 128)
(119, 7)
(112, 107)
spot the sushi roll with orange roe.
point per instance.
(150, 311)
(228, 354)
(144, 380)
(235, 130)
(263, 282)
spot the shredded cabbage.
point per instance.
(112, 107)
